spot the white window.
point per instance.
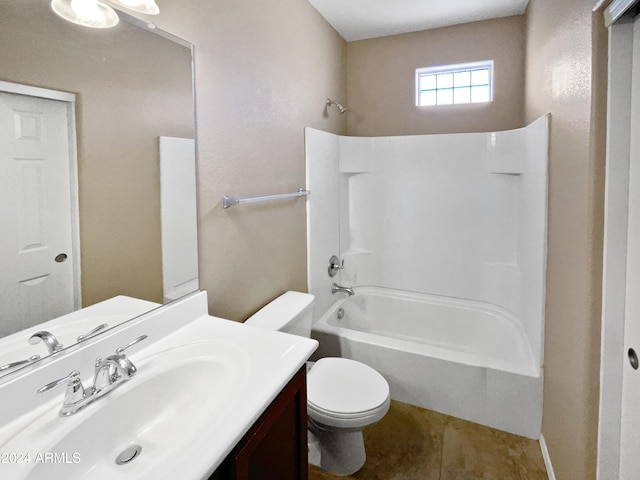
(454, 84)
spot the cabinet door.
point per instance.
(276, 446)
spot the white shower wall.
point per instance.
(457, 215)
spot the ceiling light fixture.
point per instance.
(148, 7)
(87, 13)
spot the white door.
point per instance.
(36, 260)
(630, 421)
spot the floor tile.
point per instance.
(476, 452)
(412, 443)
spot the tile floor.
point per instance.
(412, 443)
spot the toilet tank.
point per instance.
(291, 313)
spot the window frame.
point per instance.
(455, 68)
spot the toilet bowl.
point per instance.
(343, 395)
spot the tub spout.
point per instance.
(335, 288)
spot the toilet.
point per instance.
(343, 395)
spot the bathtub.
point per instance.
(463, 358)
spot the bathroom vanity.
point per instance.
(276, 445)
(210, 399)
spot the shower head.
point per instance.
(341, 109)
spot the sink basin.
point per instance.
(173, 402)
(201, 383)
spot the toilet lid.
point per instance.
(345, 386)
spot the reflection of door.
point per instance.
(630, 422)
(178, 217)
(36, 218)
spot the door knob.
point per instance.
(61, 257)
(633, 358)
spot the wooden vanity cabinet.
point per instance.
(275, 448)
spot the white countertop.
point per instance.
(261, 362)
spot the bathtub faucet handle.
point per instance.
(334, 265)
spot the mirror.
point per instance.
(123, 102)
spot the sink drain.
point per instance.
(129, 455)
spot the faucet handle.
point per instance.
(119, 350)
(84, 336)
(19, 363)
(335, 265)
(72, 379)
(99, 363)
(74, 395)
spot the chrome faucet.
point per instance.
(110, 373)
(48, 338)
(335, 288)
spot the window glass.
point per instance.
(462, 95)
(428, 97)
(462, 79)
(454, 84)
(428, 82)
(480, 77)
(445, 80)
(445, 96)
(480, 94)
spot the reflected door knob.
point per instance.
(633, 358)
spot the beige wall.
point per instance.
(381, 79)
(566, 68)
(124, 102)
(263, 73)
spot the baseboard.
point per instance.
(547, 459)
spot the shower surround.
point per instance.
(444, 236)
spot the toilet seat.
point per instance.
(346, 393)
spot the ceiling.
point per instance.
(360, 19)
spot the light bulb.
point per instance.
(87, 9)
(87, 13)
